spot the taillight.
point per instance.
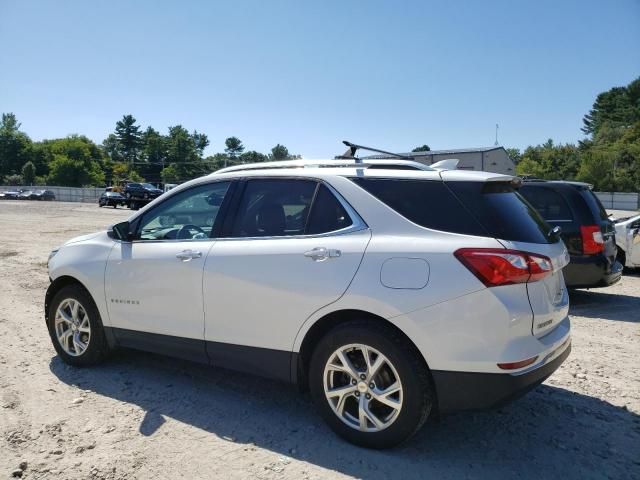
(496, 266)
(592, 240)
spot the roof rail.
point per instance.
(337, 163)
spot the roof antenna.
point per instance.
(496, 144)
(353, 148)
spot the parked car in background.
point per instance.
(25, 194)
(43, 195)
(391, 293)
(628, 241)
(141, 191)
(112, 199)
(10, 194)
(586, 230)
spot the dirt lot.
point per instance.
(144, 416)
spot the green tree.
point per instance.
(279, 152)
(28, 173)
(13, 179)
(184, 152)
(76, 161)
(253, 157)
(233, 147)
(70, 172)
(15, 146)
(129, 138)
(618, 107)
(169, 174)
(111, 148)
(422, 148)
(154, 154)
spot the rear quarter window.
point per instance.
(503, 211)
(428, 203)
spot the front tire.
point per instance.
(370, 385)
(75, 327)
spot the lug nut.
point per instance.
(363, 376)
(353, 382)
(368, 396)
(357, 394)
(372, 385)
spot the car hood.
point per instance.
(84, 238)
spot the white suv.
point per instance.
(389, 289)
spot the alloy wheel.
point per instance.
(72, 327)
(362, 387)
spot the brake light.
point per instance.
(592, 240)
(497, 266)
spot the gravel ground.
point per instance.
(145, 416)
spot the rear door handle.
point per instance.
(320, 254)
(187, 255)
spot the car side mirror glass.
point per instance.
(121, 231)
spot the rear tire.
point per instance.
(371, 416)
(75, 327)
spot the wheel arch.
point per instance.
(331, 320)
(55, 286)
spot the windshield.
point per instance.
(148, 185)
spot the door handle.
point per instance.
(187, 255)
(320, 254)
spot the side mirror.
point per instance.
(120, 231)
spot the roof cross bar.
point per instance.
(353, 148)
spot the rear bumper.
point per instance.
(592, 271)
(458, 391)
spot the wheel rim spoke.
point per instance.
(383, 396)
(363, 387)
(372, 368)
(365, 415)
(345, 367)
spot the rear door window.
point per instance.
(549, 203)
(327, 213)
(274, 208)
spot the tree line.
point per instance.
(129, 153)
(608, 158)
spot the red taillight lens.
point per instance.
(592, 241)
(495, 266)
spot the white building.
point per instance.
(489, 159)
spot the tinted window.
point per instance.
(327, 213)
(594, 204)
(502, 211)
(550, 204)
(430, 204)
(188, 215)
(274, 208)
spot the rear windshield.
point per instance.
(549, 203)
(492, 209)
(503, 211)
(594, 204)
